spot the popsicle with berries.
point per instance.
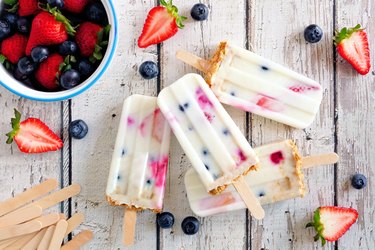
(139, 162)
(245, 80)
(211, 140)
(279, 177)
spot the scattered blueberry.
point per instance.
(78, 129)
(26, 66)
(85, 68)
(265, 68)
(5, 29)
(70, 78)
(68, 48)
(39, 54)
(199, 12)
(56, 3)
(165, 220)
(11, 18)
(96, 13)
(149, 70)
(313, 33)
(23, 25)
(359, 181)
(190, 225)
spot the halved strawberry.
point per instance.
(332, 222)
(161, 24)
(352, 45)
(33, 136)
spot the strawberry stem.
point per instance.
(60, 18)
(15, 126)
(102, 41)
(345, 33)
(173, 10)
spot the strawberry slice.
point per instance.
(352, 45)
(331, 222)
(32, 136)
(161, 24)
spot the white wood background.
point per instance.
(273, 28)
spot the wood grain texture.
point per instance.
(355, 96)
(226, 22)
(277, 33)
(100, 107)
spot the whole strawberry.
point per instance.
(24, 7)
(91, 38)
(33, 136)
(49, 71)
(161, 24)
(352, 45)
(331, 222)
(75, 6)
(13, 48)
(49, 28)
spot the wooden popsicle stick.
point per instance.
(21, 242)
(193, 60)
(317, 160)
(58, 235)
(34, 242)
(74, 222)
(18, 230)
(27, 196)
(8, 242)
(18, 217)
(48, 220)
(78, 241)
(128, 227)
(44, 243)
(249, 198)
(59, 196)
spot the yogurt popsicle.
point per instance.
(140, 159)
(278, 177)
(245, 80)
(211, 140)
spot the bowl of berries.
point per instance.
(53, 50)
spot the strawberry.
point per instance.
(49, 71)
(13, 48)
(49, 28)
(161, 24)
(24, 7)
(33, 136)
(352, 45)
(91, 38)
(332, 222)
(75, 6)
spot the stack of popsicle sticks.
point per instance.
(24, 226)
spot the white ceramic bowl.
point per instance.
(18, 88)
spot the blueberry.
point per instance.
(190, 225)
(56, 3)
(96, 13)
(199, 12)
(26, 66)
(68, 48)
(85, 68)
(5, 29)
(165, 220)
(70, 78)
(39, 54)
(78, 129)
(313, 33)
(149, 70)
(11, 19)
(18, 75)
(359, 181)
(23, 25)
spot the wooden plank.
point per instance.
(20, 171)
(226, 21)
(355, 136)
(277, 33)
(100, 107)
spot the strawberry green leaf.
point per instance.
(15, 122)
(14, 7)
(61, 18)
(11, 2)
(345, 33)
(173, 10)
(2, 58)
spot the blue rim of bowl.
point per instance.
(93, 81)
